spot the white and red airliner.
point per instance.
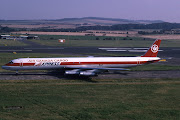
(87, 66)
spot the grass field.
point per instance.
(155, 67)
(130, 99)
(4, 42)
(102, 41)
(87, 41)
(92, 41)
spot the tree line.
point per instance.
(162, 26)
(6, 29)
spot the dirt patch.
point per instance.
(170, 37)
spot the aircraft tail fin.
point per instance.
(153, 50)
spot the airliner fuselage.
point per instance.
(83, 62)
(85, 65)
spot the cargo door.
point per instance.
(21, 63)
(138, 61)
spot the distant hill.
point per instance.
(85, 21)
(72, 23)
(105, 21)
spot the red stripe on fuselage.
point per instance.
(94, 63)
(85, 63)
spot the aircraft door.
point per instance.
(138, 61)
(21, 63)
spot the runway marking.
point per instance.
(114, 48)
(126, 49)
(141, 48)
(117, 50)
(123, 48)
(137, 50)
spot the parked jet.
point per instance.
(86, 66)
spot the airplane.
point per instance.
(85, 66)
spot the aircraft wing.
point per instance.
(96, 68)
(88, 71)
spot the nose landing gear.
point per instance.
(17, 72)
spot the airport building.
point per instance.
(18, 37)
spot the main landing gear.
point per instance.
(17, 72)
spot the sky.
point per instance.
(166, 10)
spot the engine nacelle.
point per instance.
(72, 72)
(88, 73)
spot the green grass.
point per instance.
(146, 99)
(170, 43)
(155, 67)
(73, 37)
(91, 41)
(4, 42)
(103, 41)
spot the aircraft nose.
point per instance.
(5, 67)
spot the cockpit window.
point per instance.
(11, 62)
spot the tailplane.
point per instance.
(153, 50)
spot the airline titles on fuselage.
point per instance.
(48, 60)
(50, 64)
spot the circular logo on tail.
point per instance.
(154, 48)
